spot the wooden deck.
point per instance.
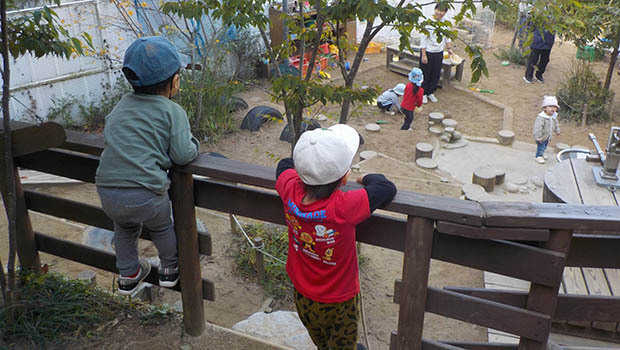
(571, 181)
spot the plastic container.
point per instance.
(586, 53)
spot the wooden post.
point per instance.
(541, 298)
(182, 196)
(416, 264)
(584, 115)
(423, 150)
(26, 245)
(260, 260)
(485, 177)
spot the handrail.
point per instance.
(479, 235)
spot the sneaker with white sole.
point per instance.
(432, 98)
(545, 157)
(529, 81)
(391, 113)
(540, 160)
(128, 285)
(424, 99)
(168, 276)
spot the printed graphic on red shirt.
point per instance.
(322, 259)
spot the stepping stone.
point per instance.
(457, 135)
(435, 117)
(426, 163)
(367, 155)
(506, 137)
(449, 123)
(510, 187)
(423, 150)
(485, 177)
(518, 179)
(458, 144)
(449, 130)
(435, 130)
(445, 138)
(474, 192)
(372, 127)
(500, 176)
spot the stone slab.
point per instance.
(426, 163)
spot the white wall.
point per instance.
(390, 35)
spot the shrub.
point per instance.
(275, 243)
(76, 113)
(512, 54)
(581, 86)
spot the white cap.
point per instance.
(550, 101)
(323, 156)
(399, 89)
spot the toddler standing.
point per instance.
(412, 97)
(546, 122)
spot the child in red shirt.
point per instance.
(321, 218)
(413, 97)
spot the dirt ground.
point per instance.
(236, 298)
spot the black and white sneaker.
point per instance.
(128, 285)
(540, 79)
(168, 276)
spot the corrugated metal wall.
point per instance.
(36, 82)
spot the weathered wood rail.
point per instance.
(533, 242)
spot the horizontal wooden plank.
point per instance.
(552, 216)
(491, 214)
(484, 232)
(102, 260)
(90, 215)
(83, 142)
(62, 163)
(507, 258)
(487, 313)
(36, 138)
(428, 344)
(583, 246)
(570, 307)
(483, 346)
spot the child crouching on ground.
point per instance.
(144, 135)
(413, 97)
(321, 218)
(546, 122)
(389, 100)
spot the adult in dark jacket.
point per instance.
(539, 57)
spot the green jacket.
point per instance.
(144, 135)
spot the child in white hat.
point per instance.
(389, 100)
(321, 218)
(546, 122)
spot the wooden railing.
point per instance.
(533, 242)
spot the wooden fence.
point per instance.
(533, 242)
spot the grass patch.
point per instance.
(49, 310)
(275, 242)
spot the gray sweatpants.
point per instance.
(130, 209)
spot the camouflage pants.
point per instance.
(331, 326)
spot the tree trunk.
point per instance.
(11, 204)
(612, 61)
(350, 77)
(272, 56)
(514, 36)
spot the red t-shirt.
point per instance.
(322, 259)
(411, 101)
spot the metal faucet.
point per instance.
(606, 175)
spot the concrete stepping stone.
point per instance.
(435, 117)
(426, 163)
(423, 150)
(367, 155)
(506, 137)
(458, 144)
(435, 130)
(449, 123)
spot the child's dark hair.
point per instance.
(322, 191)
(155, 89)
(442, 6)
